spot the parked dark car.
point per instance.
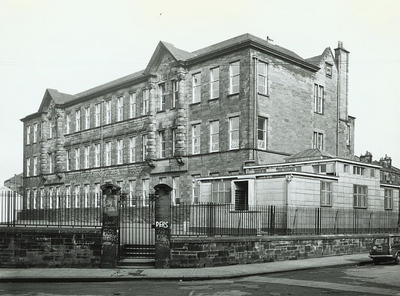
(386, 249)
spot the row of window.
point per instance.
(360, 196)
(73, 197)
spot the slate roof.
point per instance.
(59, 97)
(180, 55)
(109, 85)
(241, 39)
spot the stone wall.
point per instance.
(39, 247)
(206, 252)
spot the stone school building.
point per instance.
(188, 115)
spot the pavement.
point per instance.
(184, 274)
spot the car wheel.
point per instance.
(375, 261)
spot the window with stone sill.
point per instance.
(214, 83)
(214, 136)
(234, 133)
(262, 78)
(145, 102)
(161, 97)
(318, 99)
(120, 108)
(77, 120)
(28, 135)
(388, 199)
(196, 138)
(234, 77)
(326, 194)
(360, 196)
(196, 87)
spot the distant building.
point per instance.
(15, 184)
(189, 115)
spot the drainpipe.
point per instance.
(288, 179)
(255, 59)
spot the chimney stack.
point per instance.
(386, 162)
(367, 157)
(342, 65)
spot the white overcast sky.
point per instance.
(75, 45)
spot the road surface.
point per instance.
(351, 280)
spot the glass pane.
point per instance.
(234, 123)
(234, 68)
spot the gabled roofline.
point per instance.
(86, 95)
(31, 116)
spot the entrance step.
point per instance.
(138, 263)
(137, 251)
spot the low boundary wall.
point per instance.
(219, 251)
(50, 247)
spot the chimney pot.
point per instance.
(340, 44)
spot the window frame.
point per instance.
(132, 105)
(326, 192)
(68, 124)
(28, 135)
(388, 199)
(162, 144)
(86, 160)
(319, 99)
(161, 96)
(264, 131)
(97, 115)
(360, 199)
(120, 108)
(87, 117)
(108, 154)
(232, 132)
(214, 134)
(77, 120)
(196, 147)
(132, 149)
(120, 151)
(318, 140)
(97, 155)
(145, 101)
(214, 83)
(108, 111)
(262, 77)
(77, 158)
(196, 88)
(35, 130)
(232, 75)
(35, 165)
(144, 146)
(28, 166)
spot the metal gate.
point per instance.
(136, 233)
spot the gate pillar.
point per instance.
(162, 225)
(110, 229)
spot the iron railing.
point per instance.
(223, 220)
(51, 210)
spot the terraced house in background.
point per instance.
(211, 112)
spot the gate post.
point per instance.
(162, 225)
(110, 228)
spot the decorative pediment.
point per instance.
(164, 51)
